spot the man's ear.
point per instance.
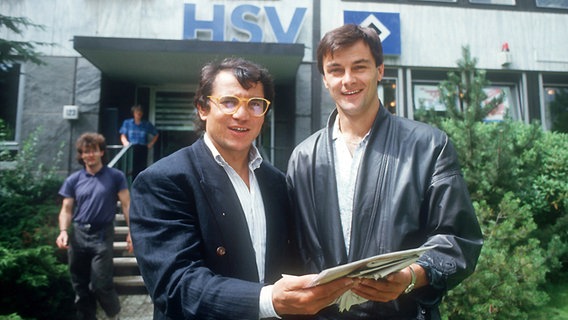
(202, 112)
(381, 70)
(325, 82)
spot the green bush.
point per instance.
(517, 176)
(28, 199)
(522, 159)
(510, 270)
(34, 284)
(547, 193)
(34, 281)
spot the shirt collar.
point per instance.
(255, 159)
(96, 174)
(336, 133)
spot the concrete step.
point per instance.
(119, 248)
(124, 262)
(125, 266)
(119, 245)
(126, 285)
(121, 230)
(129, 281)
(119, 218)
(127, 278)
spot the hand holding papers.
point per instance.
(375, 267)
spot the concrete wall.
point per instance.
(431, 35)
(47, 88)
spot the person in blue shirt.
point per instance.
(135, 131)
(86, 223)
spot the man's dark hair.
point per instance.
(90, 141)
(344, 37)
(246, 72)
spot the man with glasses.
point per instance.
(211, 224)
(86, 223)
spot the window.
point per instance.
(175, 111)
(556, 108)
(427, 96)
(507, 107)
(387, 94)
(440, 0)
(560, 4)
(9, 82)
(497, 2)
(175, 119)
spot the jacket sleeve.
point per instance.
(169, 245)
(451, 224)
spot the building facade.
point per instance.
(106, 56)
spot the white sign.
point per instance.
(71, 112)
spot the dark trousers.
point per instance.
(90, 264)
(139, 159)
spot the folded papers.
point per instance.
(375, 267)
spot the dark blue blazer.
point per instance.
(192, 242)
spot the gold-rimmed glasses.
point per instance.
(231, 104)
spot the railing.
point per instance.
(121, 159)
(127, 278)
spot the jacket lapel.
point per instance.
(369, 190)
(328, 216)
(226, 209)
(275, 221)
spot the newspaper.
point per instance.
(375, 267)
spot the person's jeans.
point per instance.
(90, 264)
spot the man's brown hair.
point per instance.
(344, 37)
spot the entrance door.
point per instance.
(174, 117)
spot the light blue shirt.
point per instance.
(137, 133)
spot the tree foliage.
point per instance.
(34, 285)
(14, 51)
(509, 271)
(517, 176)
(34, 282)
(465, 87)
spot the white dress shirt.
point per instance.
(253, 207)
(346, 170)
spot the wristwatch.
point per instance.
(412, 281)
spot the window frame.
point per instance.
(523, 5)
(15, 102)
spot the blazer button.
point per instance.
(221, 251)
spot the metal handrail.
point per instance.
(118, 156)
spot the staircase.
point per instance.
(127, 278)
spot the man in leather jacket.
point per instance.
(371, 183)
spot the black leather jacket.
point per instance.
(409, 193)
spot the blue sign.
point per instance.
(237, 21)
(387, 25)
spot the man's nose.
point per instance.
(348, 77)
(242, 111)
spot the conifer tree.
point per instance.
(16, 51)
